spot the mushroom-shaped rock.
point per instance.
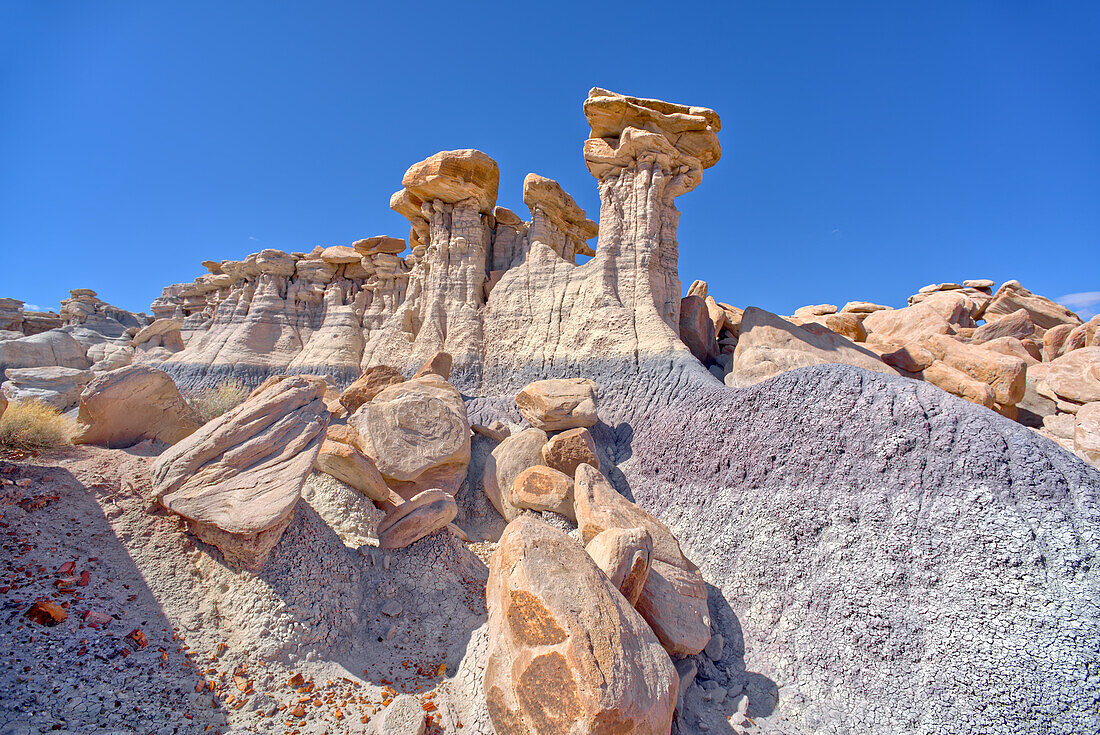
(1011, 297)
(570, 449)
(372, 382)
(452, 176)
(546, 195)
(417, 434)
(624, 555)
(558, 403)
(123, 407)
(567, 653)
(674, 599)
(543, 489)
(421, 515)
(506, 462)
(237, 479)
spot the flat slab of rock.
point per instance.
(567, 653)
(123, 407)
(769, 345)
(560, 403)
(417, 434)
(59, 387)
(1011, 296)
(416, 518)
(674, 598)
(237, 479)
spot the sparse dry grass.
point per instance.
(213, 402)
(34, 426)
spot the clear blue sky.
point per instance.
(869, 147)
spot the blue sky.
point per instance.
(869, 148)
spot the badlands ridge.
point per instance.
(472, 485)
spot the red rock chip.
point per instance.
(48, 613)
(137, 639)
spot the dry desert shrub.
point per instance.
(213, 402)
(32, 426)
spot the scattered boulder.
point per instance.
(561, 403)
(161, 333)
(340, 255)
(982, 284)
(54, 348)
(1027, 351)
(347, 464)
(403, 716)
(423, 514)
(1086, 433)
(697, 329)
(1003, 373)
(805, 312)
(769, 345)
(1018, 324)
(624, 555)
(567, 653)
(958, 383)
(438, 364)
(570, 449)
(380, 244)
(846, 325)
(372, 382)
(417, 434)
(540, 488)
(1054, 341)
(1011, 297)
(674, 598)
(506, 462)
(959, 307)
(123, 407)
(905, 325)
(237, 479)
(863, 307)
(1074, 377)
(59, 387)
(911, 358)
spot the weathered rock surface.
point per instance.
(1074, 376)
(237, 479)
(1011, 297)
(567, 653)
(564, 403)
(346, 463)
(453, 176)
(1086, 433)
(1018, 324)
(60, 387)
(905, 325)
(423, 514)
(769, 345)
(697, 329)
(403, 716)
(624, 555)
(570, 449)
(506, 462)
(417, 434)
(54, 348)
(674, 598)
(958, 383)
(123, 407)
(540, 488)
(1003, 373)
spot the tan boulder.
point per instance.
(769, 345)
(570, 449)
(1005, 374)
(1011, 297)
(1075, 376)
(423, 514)
(540, 488)
(125, 406)
(805, 312)
(958, 383)
(1026, 351)
(982, 284)
(846, 325)
(380, 244)
(567, 653)
(59, 387)
(372, 382)
(698, 288)
(624, 555)
(417, 434)
(1086, 433)
(911, 358)
(558, 403)
(863, 307)
(1018, 325)
(1054, 341)
(1083, 335)
(697, 329)
(960, 308)
(45, 349)
(347, 464)
(438, 364)
(717, 314)
(237, 479)
(161, 333)
(452, 176)
(905, 325)
(674, 598)
(340, 255)
(506, 462)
